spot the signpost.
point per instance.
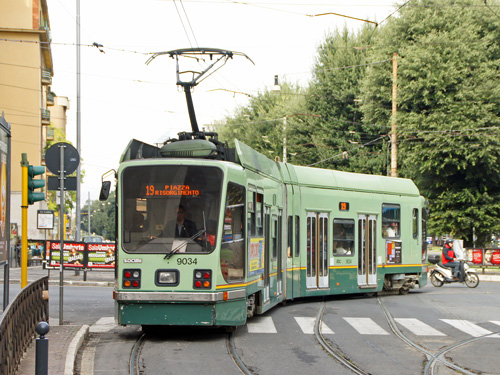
(61, 159)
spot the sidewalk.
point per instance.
(94, 277)
(64, 341)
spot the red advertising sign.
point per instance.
(73, 254)
(101, 255)
(495, 257)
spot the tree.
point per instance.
(448, 114)
(260, 123)
(338, 134)
(102, 217)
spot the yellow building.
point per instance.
(25, 78)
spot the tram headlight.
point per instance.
(167, 277)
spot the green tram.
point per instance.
(255, 233)
(210, 236)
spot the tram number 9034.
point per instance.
(186, 261)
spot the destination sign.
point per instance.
(158, 191)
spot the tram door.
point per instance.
(267, 248)
(317, 250)
(279, 251)
(367, 251)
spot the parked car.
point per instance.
(93, 239)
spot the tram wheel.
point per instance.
(471, 280)
(435, 281)
(404, 290)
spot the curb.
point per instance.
(73, 348)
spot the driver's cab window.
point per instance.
(232, 254)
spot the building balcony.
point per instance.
(44, 25)
(45, 116)
(46, 77)
(50, 98)
(50, 133)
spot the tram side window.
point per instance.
(424, 234)
(297, 235)
(415, 223)
(391, 220)
(289, 246)
(232, 254)
(259, 207)
(343, 237)
(251, 215)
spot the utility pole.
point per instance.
(284, 140)
(78, 125)
(394, 139)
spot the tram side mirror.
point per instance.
(105, 189)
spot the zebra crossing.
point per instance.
(367, 326)
(362, 325)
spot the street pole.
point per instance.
(24, 220)
(284, 140)
(394, 149)
(88, 213)
(78, 122)
(61, 234)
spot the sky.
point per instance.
(122, 98)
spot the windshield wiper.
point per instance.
(173, 251)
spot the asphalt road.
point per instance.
(280, 341)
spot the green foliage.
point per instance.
(339, 134)
(260, 123)
(447, 120)
(102, 218)
(448, 113)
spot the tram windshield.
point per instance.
(170, 209)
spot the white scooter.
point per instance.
(441, 274)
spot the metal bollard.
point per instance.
(42, 349)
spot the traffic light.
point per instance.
(35, 184)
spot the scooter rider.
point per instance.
(449, 257)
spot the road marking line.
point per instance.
(418, 328)
(470, 328)
(366, 326)
(261, 325)
(307, 325)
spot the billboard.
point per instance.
(80, 255)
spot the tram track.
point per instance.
(234, 355)
(134, 365)
(432, 358)
(330, 349)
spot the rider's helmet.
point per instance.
(449, 241)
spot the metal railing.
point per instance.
(45, 116)
(18, 322)
(46, 76)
